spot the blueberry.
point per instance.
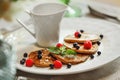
(98, 43)
(51, 66)
(39, 56)
(39, 52)
(82, 31)
(69, 65)
(99, 53)
(79, 35)
(75, 44)
(77, 47)
(25, 55)
(91, 56)
(22, 62)
(101, 36)
(24, 59)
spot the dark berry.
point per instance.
(75, 44)
(22, 62)
(25, 55)
(39, 56)
(39, 52)
(77, 47)
(51, 66)
(24, 59)
(79, 35)
(69, 65)
(99, 53)
(101, 36)
(98, 43)
(82, 31)
(91, 56)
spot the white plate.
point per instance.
(110, 47)
(105, 8)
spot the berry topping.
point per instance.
(77, 34)
(51, 66)
(99, 53)
(59, 45)
(75, 44)
(29, 62)
(39, 56)
(101, 36)
(24, 59)
(57, 64)
(69, 65)
(87, 44)
(39, 52)
(98, 43)
(91, 56)
(77, 47)
(25, 55)
(82, 31)
(22, 62)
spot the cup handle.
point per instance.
(25, 27)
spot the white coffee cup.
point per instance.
(46, 18)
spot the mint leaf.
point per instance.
(63, 53)
(62, 49)
(70, 52)
(54, 50)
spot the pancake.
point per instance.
(84, 36)
(78, 58)
(45, 61)
(82, 50)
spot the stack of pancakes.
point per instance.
(81, 56)
(82, 53)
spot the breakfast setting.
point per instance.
(59, 40)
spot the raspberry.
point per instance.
(77, 34)
(29, 62)
(57, 64)
(59, 45)
(87, 44)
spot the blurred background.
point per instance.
(10, 9)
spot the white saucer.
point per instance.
(110, 47)
(105, 9)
